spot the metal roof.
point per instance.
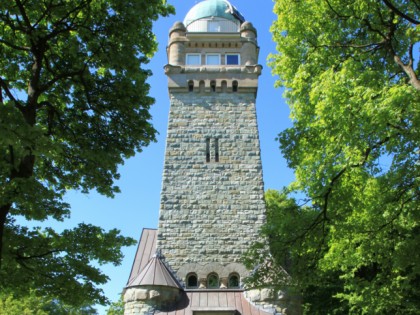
(213, 8)
(145, 251)
(155, 273)
(225, 301)
(148, 269)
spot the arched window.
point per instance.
(192, 281)
(233, 281)
(235, 86)
(213, 281)
(202, 86)
(224, 86)
(190, 86)
(213, 86)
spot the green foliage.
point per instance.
(73, 105)
(288, 244)
(116, 308)
(56, 307)
(352, 84)
(32, 304)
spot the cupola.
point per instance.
(213, 16)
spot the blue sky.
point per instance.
(137, 206)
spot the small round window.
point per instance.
(192, 281)
(233, 281)
(213, 281)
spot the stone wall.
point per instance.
(210, 211)
(146, 299)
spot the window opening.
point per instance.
(213, 59)
(232, 59)
(213, 281)
(193, 59)
(216, 150)
(235, 86)
(192, 281)
(190, 86)
(213, 26)
(233, 281)
(208, 150)
(224, 86)
(213, 86)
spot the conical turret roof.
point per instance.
(155, 273)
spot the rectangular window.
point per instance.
(232, 59)
(193, 59)
(213, 59)
(213, 26)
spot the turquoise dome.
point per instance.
(215, 8)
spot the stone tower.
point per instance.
(212, 205)
(212, 194)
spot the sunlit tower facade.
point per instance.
(212, 204)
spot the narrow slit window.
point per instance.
(208, 150)
(216, 150)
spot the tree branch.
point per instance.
(11, 45)
(24, 15)
(56, 30)
(332, 182)
(21, 257)
(61, 76)
(9, 94)
(345, 17)
(399, 13)
(408, 69)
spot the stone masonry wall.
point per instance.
(210, 211)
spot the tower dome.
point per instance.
(213, 16)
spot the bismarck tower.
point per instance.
(212, 205)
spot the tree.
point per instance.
(73, 105)
(32, 304)
(350, 70)
(116, 308)
(285, 255)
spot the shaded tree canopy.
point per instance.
(73, 105)
(351, 78)
(31, 304)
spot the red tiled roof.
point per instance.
(145, 251)
(213, 300)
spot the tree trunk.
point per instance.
(4, 210)
(408, 69)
